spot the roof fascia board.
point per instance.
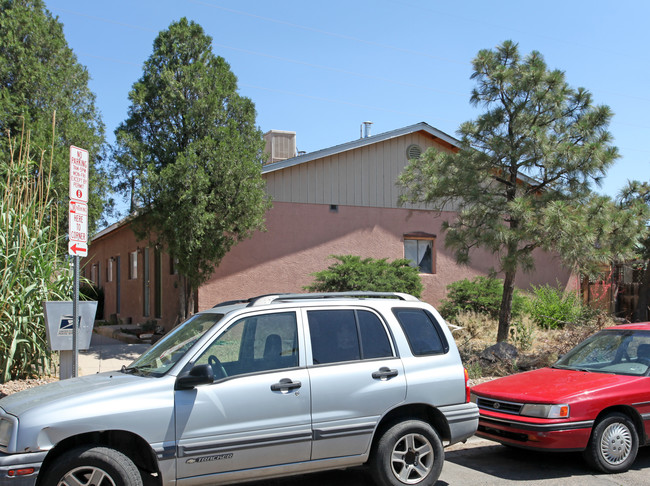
(362, 142)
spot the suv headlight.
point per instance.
(6, 427)
(545, 411)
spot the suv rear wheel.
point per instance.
(96, 466)
(409, 452)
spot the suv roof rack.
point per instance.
(267, 299)
(248, 301)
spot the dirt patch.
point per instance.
(536, 347)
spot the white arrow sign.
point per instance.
(77, 249)
(78, 228)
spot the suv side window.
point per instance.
(422, 331)
(347, 335)
(256, 343)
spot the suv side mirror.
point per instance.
(198, 375)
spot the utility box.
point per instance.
(59, 324)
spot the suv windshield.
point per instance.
(621, 352)
(166, 352)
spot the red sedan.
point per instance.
(595, 399)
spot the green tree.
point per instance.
(350, 272)
(192, 155)
(637, 195)
(523, 175)
(40, 77)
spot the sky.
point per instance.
(321, 69)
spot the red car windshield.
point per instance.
(620, 352)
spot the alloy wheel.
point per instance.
(87, 476)
(412, 458)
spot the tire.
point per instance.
(409, 452)
(613, 444)
(96, 466)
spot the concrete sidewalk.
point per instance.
(107, 354)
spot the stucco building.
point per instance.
(336, 201)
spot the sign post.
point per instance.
(77, 238)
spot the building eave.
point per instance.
(362, 142)
(113, 227)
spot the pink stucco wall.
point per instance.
(301, 237)
(298, 242)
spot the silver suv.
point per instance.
(272, 386)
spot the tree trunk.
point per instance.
(185, 298)
(506, 306)
(641, 311)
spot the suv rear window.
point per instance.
(422, 331)
(347, 335)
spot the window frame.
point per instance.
(133, 265)
(418, 238)
(229, 326)
(437, 327)
(388, 333)
(95, 274)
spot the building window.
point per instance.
(94, 271)
(173, 265)
(133, 265)
(419, 249)
(109, 269)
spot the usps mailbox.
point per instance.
(59, 324)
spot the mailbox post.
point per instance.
(60, 331)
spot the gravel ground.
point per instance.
(18, 385)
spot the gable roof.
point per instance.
(421, 127)
(362, 142)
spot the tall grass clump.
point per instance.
(33, 270)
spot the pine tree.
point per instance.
(524, 174)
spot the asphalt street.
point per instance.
(483, 463)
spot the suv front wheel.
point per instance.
(88, 465)
(409, 452)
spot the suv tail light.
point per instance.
(467, 390)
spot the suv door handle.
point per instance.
(384, 373)
(285, 384)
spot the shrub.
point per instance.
(350, 272)
(551, 308)
(482, 295)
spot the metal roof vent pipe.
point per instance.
(365, 129)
